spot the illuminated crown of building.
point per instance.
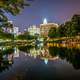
(10, 22)
(45, 21)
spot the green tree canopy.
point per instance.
(52, 32)
(76, 23)
(61, 30)
(68, 29)
(12, 6)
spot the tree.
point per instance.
(12, 6)
(3, 18)
(68, 29)
(61, 31)
(76, 23)
(52, 32)
(25, 36)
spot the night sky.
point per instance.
(57, 11)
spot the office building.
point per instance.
(45, 27)
(34, 30)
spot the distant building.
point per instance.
(15, 30)
(7, 30)
(45, 27)
(34, 30)
(11, 29)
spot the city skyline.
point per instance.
(57, 11)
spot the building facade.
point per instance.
(34, 30)
(12, 30)
(16, 30)
(45, 27)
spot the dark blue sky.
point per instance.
(54, 10)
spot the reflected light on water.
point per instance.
(39, 61)
(16, 52)
(63, 45)
(45, 60)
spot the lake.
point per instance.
(39, 63)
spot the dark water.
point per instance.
(39, 63)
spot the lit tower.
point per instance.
(45, 21)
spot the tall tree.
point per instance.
(52, 32)
(61, 30)
(10, 6)
(76, 23)
(68, 29)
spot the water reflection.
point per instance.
(71, 55)
(16, 52)
(6, 59)
(70, 45)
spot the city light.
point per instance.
(46, 61)
(10, 22)
(45, 21)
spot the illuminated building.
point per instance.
(34, 30)
(11, 29)
(7, 29)
(15, 30)
(45, 27)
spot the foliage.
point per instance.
(76, 23)
(70, 55)
(12, 6)
(4, 35)
(4, 60)
(52, 32)
(61, 30)
(68, 29)
(25, 36)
